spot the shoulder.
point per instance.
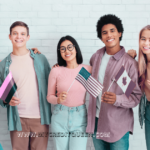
(88, 68)
(2, 64)
(57, 70)
(130, 60)
(41, 57)
(98, 52)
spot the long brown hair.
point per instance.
(142, 62)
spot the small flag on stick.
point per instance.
(124, 81)
(8, 88)
(91, 85)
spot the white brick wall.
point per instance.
(50, 19)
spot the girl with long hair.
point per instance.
(69, 117)
(144, 80)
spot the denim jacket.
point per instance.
(42, 69)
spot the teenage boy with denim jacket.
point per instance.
(28, 114)
(111, 120)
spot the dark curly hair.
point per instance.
(109, 19)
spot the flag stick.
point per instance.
(70, 86)
(111, 85)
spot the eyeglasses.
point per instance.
(70, 47)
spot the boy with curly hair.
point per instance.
(112, 120)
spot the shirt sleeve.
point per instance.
(91, 59)
(134, 98)
(52, 83)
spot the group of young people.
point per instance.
(109, 118)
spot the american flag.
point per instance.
(91, 85)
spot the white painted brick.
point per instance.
(63, 8)
(27, 14)
(98, 8)
(76, 2)
(34, 43)
(62, 21)
(135, 8)
(86, 2)
(111, 2)
(142, 2)
(127, 36)
(128, 1)
(147, 8)
(66, 29)
(8, 14)
(31, 2)
(68, 15)
(5, 42)
(46, 28)
(49, 42)
(89, 35)
(41, 8)
(52, 1)
(48, 14)
(96, 14)
(90, 21)
(9, 2)
(4, 22)
(45, 36)
(4, 50)
(77, 21)
(86, 29)
(84, 14)
(138, 21)
(41, 22)
(15, 7)
(115, 7)
(82, 8)
(86, 42)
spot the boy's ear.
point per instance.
(120, 34)
(9, 36)
(28, 37)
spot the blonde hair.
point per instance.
(142, 62)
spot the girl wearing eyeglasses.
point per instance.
(69, 117)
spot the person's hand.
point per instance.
(148, 82)
(36, 50)
(62, 97)
(55, 66)
(108, 97)
(14, 101)
(132, 53)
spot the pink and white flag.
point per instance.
(8, 88)
(124, 81)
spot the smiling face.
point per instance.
(110, 36)
(144, 42)
(68, 56)
(19, 37)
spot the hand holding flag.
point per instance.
(8, 88)
(108, 97)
